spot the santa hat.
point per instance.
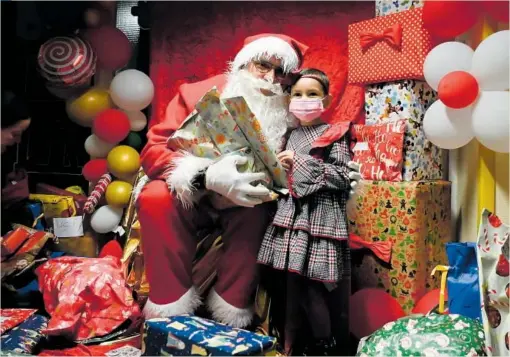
(265, 45)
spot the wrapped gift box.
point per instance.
(388, 7)
(222, 127)
(407, 99)
(415, 217)
(23, 338)
(188, 335)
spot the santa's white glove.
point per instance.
(354, 176)
(224, 178)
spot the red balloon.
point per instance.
(111, 248)
(429, 302)
(112, 47)
(111, 125)
(94, 169)
(498, 10)
(447, 19)
(370, 309)
(458, 89)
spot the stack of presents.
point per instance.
(404, 199)
(64, 296)
(404, 207)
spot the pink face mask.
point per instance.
(306, 110)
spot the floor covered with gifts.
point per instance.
(416, 91)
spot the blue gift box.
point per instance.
(24, 337)
(188, 335)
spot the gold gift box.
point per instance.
(415, 216)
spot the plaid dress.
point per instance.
(309, 233)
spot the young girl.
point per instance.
(308, 237)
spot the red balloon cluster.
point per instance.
(94, 169)
(458, 89)
(111, 126)
(448, 19)
(370, 309)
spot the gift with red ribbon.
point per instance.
(388, 48)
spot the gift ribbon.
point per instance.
(392, 35)
(444, 272)
(382, 250)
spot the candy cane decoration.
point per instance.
(487, 248)
(97, 193)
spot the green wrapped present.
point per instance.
(430, 335)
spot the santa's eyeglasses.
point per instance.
(266, 67)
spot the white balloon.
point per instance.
(491, 120)
(491, 61)
(132, 90)
(446, 58)
(106, 219)
(96, 147)
(137, 119)
(446, 127)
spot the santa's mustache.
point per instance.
(259, 83)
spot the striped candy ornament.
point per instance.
(97, 193)
(67, 61)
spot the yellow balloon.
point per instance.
(118, 193)
(123, 161)
(83, 109)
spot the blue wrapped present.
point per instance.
(188, 335)
(24, 338)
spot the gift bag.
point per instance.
(493, 266)
(463, 282)
(388, 48)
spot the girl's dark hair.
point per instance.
(14, 109)
(316, 74)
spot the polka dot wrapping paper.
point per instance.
(388, 48)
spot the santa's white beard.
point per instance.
(271, 111)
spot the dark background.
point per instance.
(52, 149)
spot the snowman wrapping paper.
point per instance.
(493, 266)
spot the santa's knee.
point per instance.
(154, 193)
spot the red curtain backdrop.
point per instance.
(193, 40)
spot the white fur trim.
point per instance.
(139, 186)
(267, 47)
(187, 304)
(227, 314)
(185, 168)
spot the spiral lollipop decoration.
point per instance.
(67, 61)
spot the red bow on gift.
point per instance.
(392, 35)
(382, 250)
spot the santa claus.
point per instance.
(182, 196)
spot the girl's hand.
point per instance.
(286, 158)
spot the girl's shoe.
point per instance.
(324, 347)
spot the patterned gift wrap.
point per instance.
(218, 127)
(188, 335)
(388, 7)
(493, 267)
(431, 335)
(415, 217)
(24, 337)
(407, 99)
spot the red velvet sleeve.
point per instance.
(156, 156)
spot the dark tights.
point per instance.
(308, 297)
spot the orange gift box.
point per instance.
(388, 48)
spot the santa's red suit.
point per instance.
(169, 225)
